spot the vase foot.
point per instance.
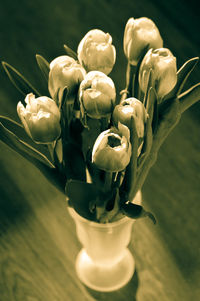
(105, 278)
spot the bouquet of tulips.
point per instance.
(93, 146)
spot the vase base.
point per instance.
(105, 278)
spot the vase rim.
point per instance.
(116, 223)
(74, 213)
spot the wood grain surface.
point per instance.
(38, 244)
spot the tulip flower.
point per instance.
(140, 34)
(112, 149)
(97, 95)
(65, 72)
(128, 108)
(40, 118)
(164, 71)
(96, 52)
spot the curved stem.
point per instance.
(168, 120)
(51, 150)
(189, 97)
(130, 75)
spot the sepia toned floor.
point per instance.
(38, 244)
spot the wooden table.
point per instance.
(38, 244)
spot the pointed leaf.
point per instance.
(43, 65)
(81, 194)
(149, 85)
(136, 211)
(189, 97)
(56, 97)
(169, 116)
(155, 116)
(182, 76)
(131, 169)
(22, 147)
(70, 52)
(33, 156)
(148, 139)
(63, 92)
(19, 131)
(58, 152)
(152, 108)
(60, 97)
(150, 104)
(19, 81)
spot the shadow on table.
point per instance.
(127, 293)
(12, 203)
(179, 227)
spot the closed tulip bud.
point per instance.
(65, 72)
(96, 52)
(128, 108)
(40, 118)
(164, 71)
(140, 34)
(112, 149)
(97, 95)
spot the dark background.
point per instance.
(172, 189)
(30, 27)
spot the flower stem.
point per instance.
(130, 77)
(189, 97)
(108, 180)
(168, 120)
(51, 150)
(104, 122)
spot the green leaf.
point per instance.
(169, 116)
(136, 211)
(148, 92)
(81, 194)
(22, 147)
(189, 97)
(33, 156)
(182, 76)
(43, 65)
(63, 92)
(58, 152)
(75, 166)
(94, 172)
(150, 104)
(19, 81)
(150, 125)
(60, 97)
(148, 139)
(131, 169)
(152, 108)
(70, 52)
(20, 132)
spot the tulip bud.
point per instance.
(139, 35)
(97, 95)
(40, 118)
(96, 52)
(164, 71)
(112, 149)
(128, 108)
(65, 71)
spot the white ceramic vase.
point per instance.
(104, 263)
